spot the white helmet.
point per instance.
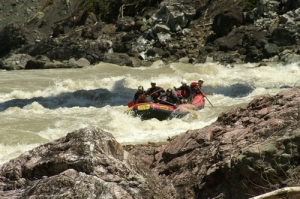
(183, 81)
(153, 82)
(200, 80)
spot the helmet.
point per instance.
(200, 80)
(169, 90)
(140, 88)
(183, 81)
(153, 82)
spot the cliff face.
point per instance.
(246, 152)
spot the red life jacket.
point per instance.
(184, 93)
(141, 98)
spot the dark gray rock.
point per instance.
(224, 22)
(271, 49)
(283, 37)
(14, 36)
(38, 64)
(121, 59)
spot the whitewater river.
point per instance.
(38, 106)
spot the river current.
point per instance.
(38, 106)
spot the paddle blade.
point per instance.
(130, 104)
(128, 110)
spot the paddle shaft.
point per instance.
(167, 102)
(155, 92)
(204, 95)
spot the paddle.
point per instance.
(179, 93)
(167, 102)
(130, 104)
(204, 95)
(155, 92)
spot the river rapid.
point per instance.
(38, 106)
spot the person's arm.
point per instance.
(176, 89)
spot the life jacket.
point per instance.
(184, 93)
(155, 94)
(141, 98)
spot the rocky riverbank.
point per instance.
(248, 151)
(58, 33)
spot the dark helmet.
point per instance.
(140, 88)
(169, 90)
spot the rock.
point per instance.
(163, 37)
(160, 28)
(15, 62)
(224, 22)
(125, 24)
(271, 49)
(184, 60)
(38, 64)
(136, 62)
(87, 163)
(121, 59)
(283, 37)
(82, 62)
(14, 36)
(172, 15)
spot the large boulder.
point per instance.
(224, 22)
(15, 62)
(121, 59)
(283, 37)
(13, 36)
(87, 163)
(174, 15)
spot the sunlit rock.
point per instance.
(87, 163)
